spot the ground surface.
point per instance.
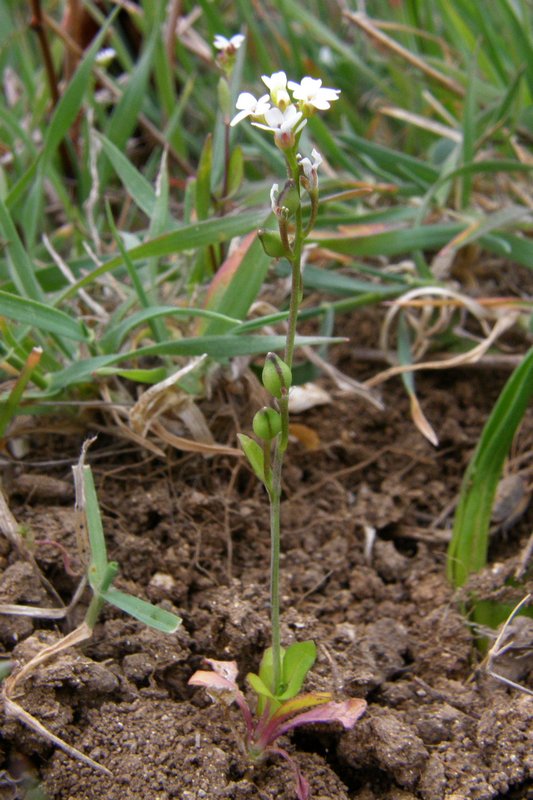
(191, 534)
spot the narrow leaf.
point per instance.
(217, 347)
(203, 179)
(19, 263)
(191, 237)
(139, 189)
(99, 560)
(145, 612)
(40, 316)
(71, 101)
(467, 552)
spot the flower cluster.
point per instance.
(227, 51)
(221, 43)
(277, 113)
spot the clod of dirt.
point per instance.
(19, 585)
(161, 750)
(383, 740)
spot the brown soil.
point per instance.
(386, 622)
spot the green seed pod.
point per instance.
(272, 244)
(277, 376)
(267, 424)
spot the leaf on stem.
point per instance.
(254, 454)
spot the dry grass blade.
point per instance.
(190, 446)
(504, 319)
(11, 530)
(13, 709)
(342, 381)
(419, 121)
(371, 29)
(503, 644)
(421, 421)
(9, 527)
(162, 397)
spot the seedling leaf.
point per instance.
(297, 661)
(266, 667)
(259, 687)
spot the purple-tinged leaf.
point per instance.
(346, 712)
(228, 669)
(222, 683)
(270, 727)
(212, 681)
(300, 783)
(303, 701)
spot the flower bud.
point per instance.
(267, 424)
(277, 376)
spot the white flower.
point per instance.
(312, 94)
(309, 171)
(283, 124)
(277, 86)
(105, 57)
(279, 122)
(274, 197)
(221, 43)
(250, 107)
(309, 168)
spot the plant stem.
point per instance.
(37, 24)
(283, 439)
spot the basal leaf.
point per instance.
(297, 661)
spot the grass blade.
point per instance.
(98, 566)
(19, 263)
(139, 189)
(145, 612)
(217, 347)
(41, 316)
(188, 238)
(467, 552)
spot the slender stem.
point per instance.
(37, 24)
(275, 549)
(282, 442)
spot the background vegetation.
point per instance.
(122, 187)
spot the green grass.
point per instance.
(114, 226)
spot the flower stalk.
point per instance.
(285, 117)
(282, 672)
